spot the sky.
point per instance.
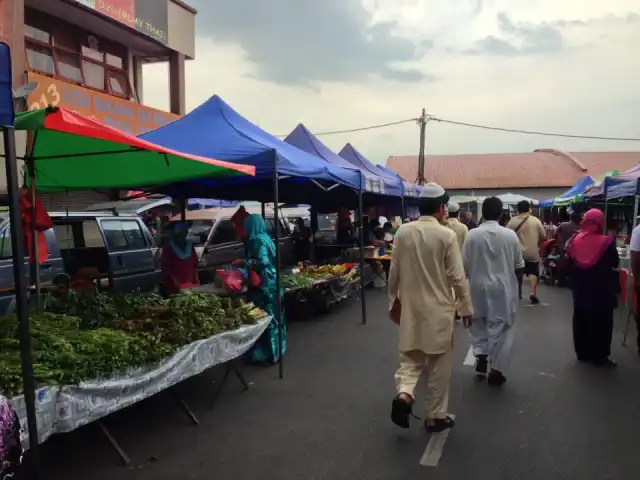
(546, 65)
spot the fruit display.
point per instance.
(103, 335)
(325, 271)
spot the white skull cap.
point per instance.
(453, 207)
(432, 190)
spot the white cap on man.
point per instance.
(453, 207)
(432, 190)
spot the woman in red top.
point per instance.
(179, 261)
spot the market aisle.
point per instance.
(328, 420)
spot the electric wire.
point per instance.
(361, 129)
(429, 118)
(531, 132)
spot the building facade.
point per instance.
(541, 174)
(87, 56)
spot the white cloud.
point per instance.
(587, 85)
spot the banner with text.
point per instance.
(119, 113)
(150, 17)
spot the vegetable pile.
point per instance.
(94, 336)
(296, 282)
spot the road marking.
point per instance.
(433, 451)
(538, 305)
(470, 359)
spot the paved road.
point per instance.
(329, 418)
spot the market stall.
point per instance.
(99, 353)
(284, 173)
(378, 188)
(310, 289)
(70, 152)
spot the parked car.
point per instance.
(214, 237)
(120, 249)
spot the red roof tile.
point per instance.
(540, 168)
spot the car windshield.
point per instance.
(198, 231)
(327, 222)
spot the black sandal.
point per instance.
(440, 424)
(482, 364)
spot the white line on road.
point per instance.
(433, 452)
(470, 359)
(538, 305)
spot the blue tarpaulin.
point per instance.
(570, 195)
(215, 130)
(630, 188)
(392, 184)
(6, 91)
(303, 139)
(212, 203)
(411, 190)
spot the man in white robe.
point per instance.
(492, 255)
(425, 278)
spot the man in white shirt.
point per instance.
(635, 270)
(491, 256)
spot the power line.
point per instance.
(361, 129)
(473, 125)
(531, 132)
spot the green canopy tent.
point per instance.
(72, 152)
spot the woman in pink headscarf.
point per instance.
(592, 258)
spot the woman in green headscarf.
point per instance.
(261, 257)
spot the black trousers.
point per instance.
(592, 333)
(637, 315)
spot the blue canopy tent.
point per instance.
(217, 131)
(283, 172)
(392, 184)
(370, 183)
(629, 188)
(7, 116)
(410, 190)
(570, 195)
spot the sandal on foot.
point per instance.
(496, 378)
(440, 424)
(482, 364)
(400, 412)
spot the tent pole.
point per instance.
(19, 276)
(606, 207)
(363, 300)
(183, 209)
(628, 309)
(35, 263)
(276, 223)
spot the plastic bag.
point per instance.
(255, 280)
(233, 281)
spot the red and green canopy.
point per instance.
(72, 152)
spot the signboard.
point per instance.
(117, 112)
(4, 19)
(150, 17)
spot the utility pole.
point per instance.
(422, 121)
